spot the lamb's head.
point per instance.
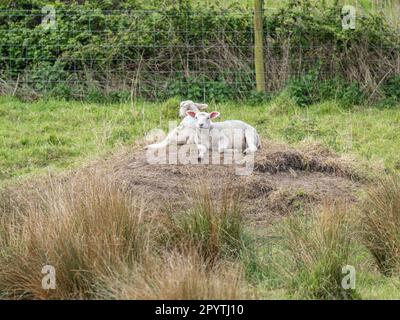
(189, 105)
(203, 119)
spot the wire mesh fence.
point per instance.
(202, 53)
(146, 51)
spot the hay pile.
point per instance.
(284, 179)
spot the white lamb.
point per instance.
(184, 133)
(230, 134)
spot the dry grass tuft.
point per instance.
(104, 242)
(180, 276)
(380, 223)
(317, 248)
(83, 227)
(213, 226)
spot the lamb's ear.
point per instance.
(214, 114)
(201, 106)
(185, 102)
(191, 114)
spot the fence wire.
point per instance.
(153, 54)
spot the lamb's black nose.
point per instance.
(201, 126)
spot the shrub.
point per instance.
(201, 87)
(316, 248)
(108, 50)
(304, 89)
(311, 88)
(392, 89)
(256, 98)
(347, 94)
(380, 222)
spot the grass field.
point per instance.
(49, 134)
(201, 262)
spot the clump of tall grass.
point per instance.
(316, 248)
(175, 276)
(104, 242)
(380, 223)
(83, 228)
(214, 227)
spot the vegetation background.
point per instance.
(113, 50)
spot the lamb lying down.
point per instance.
(230, 134)
(184, 133)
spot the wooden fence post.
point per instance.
(259, 45)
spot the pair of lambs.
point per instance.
(197, 127)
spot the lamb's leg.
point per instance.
(202, 151)
(250, 136)
(223, 144)
(170, 138)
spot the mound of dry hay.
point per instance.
(284, 180)
(314, 157)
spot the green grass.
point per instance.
(52, 135)
(374, 286)
(280, 269)
(58, 134)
